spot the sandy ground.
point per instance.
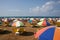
(28, 35)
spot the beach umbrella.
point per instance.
(40, 23)
(58, 23)
(54, 20)
(58, 20)
(20, 18)
(43, 23)
(50, 20)
(21, 24)
(5, 20)
(30, 20)
(0, 23)
(48, 33)
(42, 19)
(37, 19)
(34, 22)
(17, 24)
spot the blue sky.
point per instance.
(29, 7)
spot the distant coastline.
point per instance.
(29, 16)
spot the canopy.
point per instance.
(48, 33)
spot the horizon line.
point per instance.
(29, 16)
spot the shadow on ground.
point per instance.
(35, 27)
(5, 32)
(27, 34)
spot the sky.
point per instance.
(29, 7)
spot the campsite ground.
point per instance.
(28, 35)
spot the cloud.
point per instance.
(58, 1)
(44, 8)
(47, 8)
(51, 8)
(11, 12)
(55, 12)
(34, 10)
